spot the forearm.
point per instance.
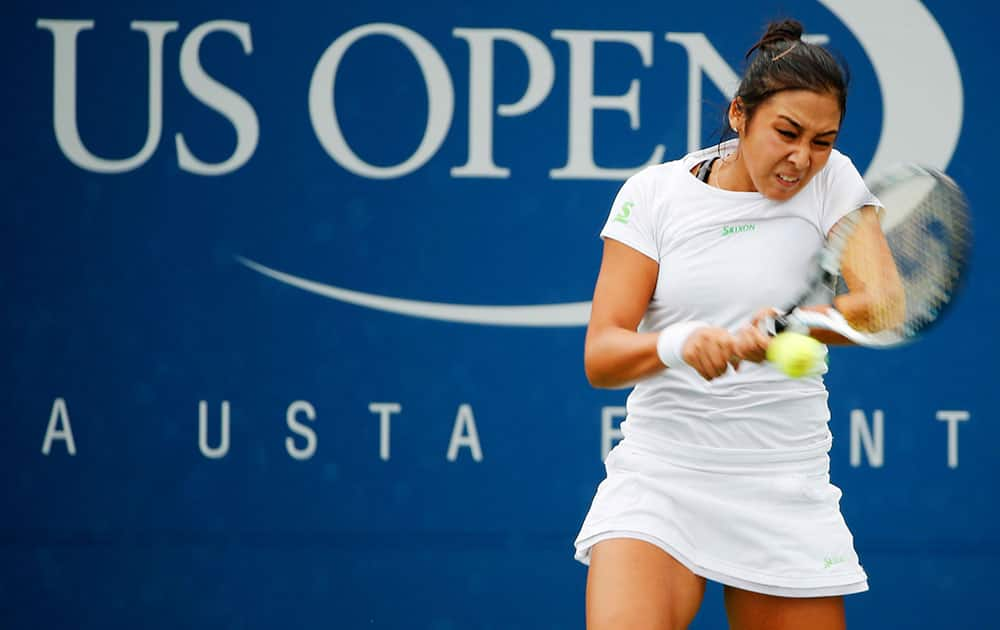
(873, 310)
(829, 337)
(866, 311)
(823, 335)
(616, 357)
(876, 297)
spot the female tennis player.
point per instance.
(723, 472)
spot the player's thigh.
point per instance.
(756, 611)
(634, 584)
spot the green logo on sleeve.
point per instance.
(625, 212)
(738, 229)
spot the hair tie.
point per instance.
(785, 51)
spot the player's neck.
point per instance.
(730, 173)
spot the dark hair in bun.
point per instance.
(780, 61)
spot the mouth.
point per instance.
(788, 181)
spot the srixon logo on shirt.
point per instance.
(738, 229)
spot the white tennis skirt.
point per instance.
(763, 522)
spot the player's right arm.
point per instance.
(615, 354)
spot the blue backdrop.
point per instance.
(260, 366)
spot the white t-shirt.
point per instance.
(723, 256)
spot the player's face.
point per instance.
(787, 141)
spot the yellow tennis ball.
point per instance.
(796, 355)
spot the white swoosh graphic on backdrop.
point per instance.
(921, 85)
(922, 104)
(541, 315)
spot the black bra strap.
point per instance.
(705, 169)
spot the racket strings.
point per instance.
(928, 237)
(930, 248)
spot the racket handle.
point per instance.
(771, 326)
(781, 323)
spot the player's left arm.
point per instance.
(876, 299)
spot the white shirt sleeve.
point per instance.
(844, 190)
(632, 220)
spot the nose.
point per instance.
(799, 157)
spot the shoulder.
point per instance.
(839, 163)
(683, 165)
(664, 182)
(660, 176)
(652, 183)
(650, 175)
(839, 172)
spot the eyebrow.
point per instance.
(799, 127)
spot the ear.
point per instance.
(737, 115)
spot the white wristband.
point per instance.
(670, 344)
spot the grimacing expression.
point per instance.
(787, 140)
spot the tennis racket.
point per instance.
(907, 280)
